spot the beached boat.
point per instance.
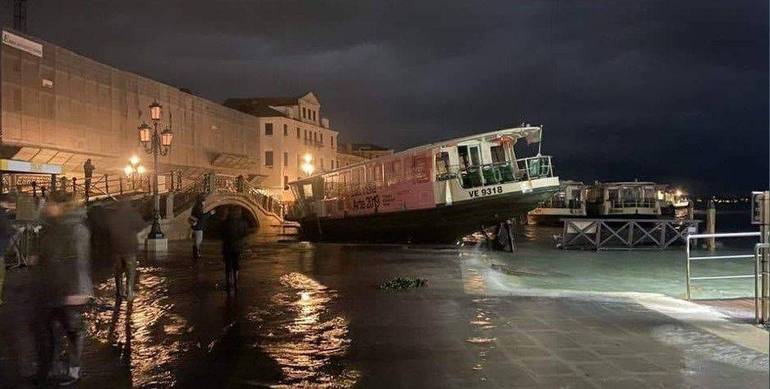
(433, 193)
(569, 201)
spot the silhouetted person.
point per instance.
(198, 220)
(123, 224)
(88, 171)
(67, 285)
(6, 234)
(234, 229)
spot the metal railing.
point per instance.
(233, 184)
(633, 203)
(501, 172)
(760, 275)
(625, 234)
(754, 256)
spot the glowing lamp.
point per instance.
(133, 160)
(155, 109)
(140, 169)
(144, 133)
(166, 137)
(308, 168)
(128, 170)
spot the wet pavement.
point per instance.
(312, 316)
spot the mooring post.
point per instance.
(510, 235)
(711, 225)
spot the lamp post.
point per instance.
(157, 143)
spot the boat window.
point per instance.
(307, 191)
(462, 152)
(576, 194)
(498, 154)
(378, 173)
(442, 164)
(393, 171)
(475, 155)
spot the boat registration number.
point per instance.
(485, 191)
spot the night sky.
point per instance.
(670, 91)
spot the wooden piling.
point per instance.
(711, 225)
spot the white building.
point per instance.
(291, 129)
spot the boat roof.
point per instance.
(628, 183)
(516, 132)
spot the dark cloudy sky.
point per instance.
(671, 91)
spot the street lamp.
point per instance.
(308, 167)
(157, 143)
(133, 169)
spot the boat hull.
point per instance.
(442, 224)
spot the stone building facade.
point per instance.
(62, 108)
(291, 128)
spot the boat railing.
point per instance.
(633, 203)
(562, 204)
(501, 172)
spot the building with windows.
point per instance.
(59, 107)
(293, 135)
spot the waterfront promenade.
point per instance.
(312, 315)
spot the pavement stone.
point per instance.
(312, 315)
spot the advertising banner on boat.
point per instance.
(400, 183)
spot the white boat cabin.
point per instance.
(439, 174)
(625, 198)
(570, 200)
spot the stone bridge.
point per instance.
(264, 212)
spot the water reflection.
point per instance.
(303, 336)
(146, 332)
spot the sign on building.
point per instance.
(23, 44)
(11, 165)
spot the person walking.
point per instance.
(123, 224)
(88, 171)
(67, 286)
(234, 229)
(6, 234)
(198, 220)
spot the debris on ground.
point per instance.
(404, 283)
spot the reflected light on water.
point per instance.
(303, 337)
(148, 334)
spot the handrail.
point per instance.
(757, 267)
(688, 271)
(522, 169)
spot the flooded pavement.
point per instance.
(310, 315)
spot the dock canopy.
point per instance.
(11, 165)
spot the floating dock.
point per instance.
(625, 234)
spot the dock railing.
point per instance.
(624, 234)
(758, 273)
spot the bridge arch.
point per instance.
(265, 222)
